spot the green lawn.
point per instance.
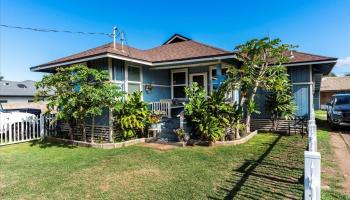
(330, 172)
(267, 167)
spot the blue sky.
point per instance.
(317, 26)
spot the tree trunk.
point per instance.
(238, 120)
(92, 129)
(252, 97)
(70, 132)
(83, 129)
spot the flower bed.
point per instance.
(223, 143)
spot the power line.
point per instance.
(56, 31)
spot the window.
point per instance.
(178, 83)
(133, 81)
(215, 82)
(3, 101)
(30, 100)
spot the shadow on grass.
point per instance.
(48, 144)
(276, 174)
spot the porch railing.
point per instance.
(163, 107)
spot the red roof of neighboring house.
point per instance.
(176, 48)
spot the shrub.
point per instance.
(180, 133)
(209, 116)
(132, 116)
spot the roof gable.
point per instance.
(176, 38)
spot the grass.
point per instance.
(267, 167)
(330, 171)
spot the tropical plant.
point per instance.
(77, 93)
(155, 117)
(257, 56)
(180, 133)
(132, 116)
(209, 116)
(279, 100)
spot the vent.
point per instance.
(21, 86)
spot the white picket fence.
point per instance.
(312, 161)
(23, 129)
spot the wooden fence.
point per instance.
(25, 129)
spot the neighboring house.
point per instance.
(333, 85)
(163, 72)
(17, 92)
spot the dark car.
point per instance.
(338, 110)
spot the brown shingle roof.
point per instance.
(335, 84)
(300, 57)
(184, 50)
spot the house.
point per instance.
(17, 92)
(19, 95)
(331, 86)
(163, 72)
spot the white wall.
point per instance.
(17, 99)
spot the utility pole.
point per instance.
(114, 36)
(122, 40)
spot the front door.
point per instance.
(201, 79)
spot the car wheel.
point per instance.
(333, 126)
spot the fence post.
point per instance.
(42, 127)
(312, 137)
(169, 109)
(312, 175)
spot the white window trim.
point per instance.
(126, 76)
(205, 77)
(172, 83)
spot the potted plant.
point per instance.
(154, 119)
(180, 134)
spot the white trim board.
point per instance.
(172, 82)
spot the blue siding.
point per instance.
(301, 94)
(118, 72)
(160, 77)
(260, 100)
(101, 64)
(156, 94)
(160, 80)
(317, 100)
(299, 74)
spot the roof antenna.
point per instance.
(291, 54)
(122, 39)
(114, 34)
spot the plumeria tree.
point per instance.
(77, 93)
(279, 100)
(259, 57)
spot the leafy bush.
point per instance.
(132, 116)
(280, 100)
(180, 133)
(209, 116)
